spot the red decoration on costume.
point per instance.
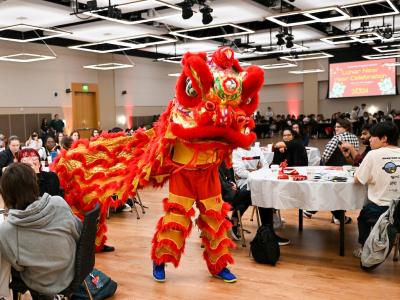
(210, 115)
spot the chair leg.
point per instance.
(258, 217)
(252, 213)
(140, 202)
(135, 208)
(87, 290)
(241, 229)
(396, 248)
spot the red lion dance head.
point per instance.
(215, 99)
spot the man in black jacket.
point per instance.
(9, 155)
(239, 198)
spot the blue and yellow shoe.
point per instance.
(159, 272)
(226, 276)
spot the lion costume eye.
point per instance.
(190, 91)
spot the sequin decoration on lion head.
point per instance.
(215, 99)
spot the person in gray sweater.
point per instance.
(38, 238)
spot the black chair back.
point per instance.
(85, 250)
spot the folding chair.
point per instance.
(84, 262)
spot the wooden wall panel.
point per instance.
(18, 126)
(5, 125)
(31, 125)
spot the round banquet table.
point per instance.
(315, 194)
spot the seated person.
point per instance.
(380, 172)
(9, 155)
(48, 181)
(239, 198)
(290, 149)
(303, 135)
(349, 151)
(248, 160)
(49, 151)
(332, 156)
(38, 238)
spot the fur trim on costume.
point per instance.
(221, 263)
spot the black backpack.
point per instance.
(264, 247)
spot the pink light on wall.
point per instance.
(128, 109)
(292, 100)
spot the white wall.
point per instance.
(30, 87)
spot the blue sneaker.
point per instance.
(226, 276)
(159, 272)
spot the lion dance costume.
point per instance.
(209, 116)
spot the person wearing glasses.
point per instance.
(380, 171)
(333, 156)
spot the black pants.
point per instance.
(266, 216)
(369, 215)
(241, 201)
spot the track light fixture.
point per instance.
(280, 37)
(205, 9)
(387, 32)
(187, 11)
(207, 17)
(289, 41)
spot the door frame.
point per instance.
(78, 87)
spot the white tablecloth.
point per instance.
(313, 154)
(268, 191)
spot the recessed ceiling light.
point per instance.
(277, 49)
(25, 57)
(278, 66)
(109, 66)
(307, 56)
(320, 15)
(173, 59)
(385, 49)
(174, 74)
(142, 41)
(361, 37)
(309, 71)
(381, 56)
(101, 47)
(225, 30)
(137, 6)
(29, 33)
(127, 43)
(244, 64)
(362, 7)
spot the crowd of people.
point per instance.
(318, 126)
(22, 169)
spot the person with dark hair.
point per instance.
(66, 142)
(349, 151)
(115, 130)
(38, 238)
(239, 198)
(332, 155)
(58, 140)
(245, 161)
(290, 149)
(57, 124)
(95, 133)
(380, 171)
(48, 181)
(9, 155)
(49, 151)
(302, 133)
(75, 135)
